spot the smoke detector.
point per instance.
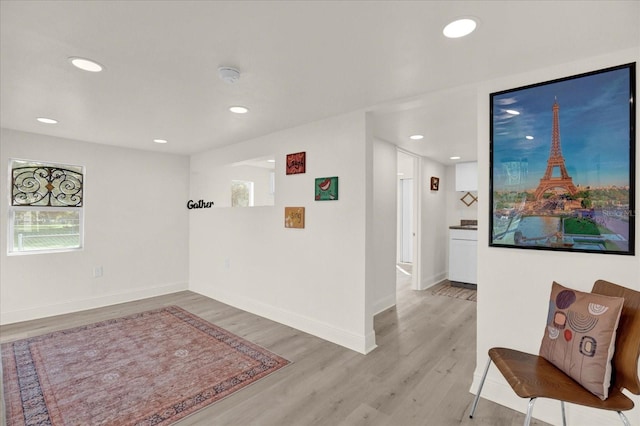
(229, 75)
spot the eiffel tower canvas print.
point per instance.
(562, 172)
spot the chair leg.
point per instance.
(475, 401)
(527, 419)
(624, 419)
(564, 418)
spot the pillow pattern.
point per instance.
(580, 336)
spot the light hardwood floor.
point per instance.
(420, 373)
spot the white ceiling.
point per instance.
(301, 61)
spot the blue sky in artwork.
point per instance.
(594, 130)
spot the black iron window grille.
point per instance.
(46, 186)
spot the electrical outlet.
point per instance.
(227, 263)
(97, 272)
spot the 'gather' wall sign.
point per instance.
(201, 204)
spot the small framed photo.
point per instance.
(435, 183)
(294, 217)
(326, 188)
(296, 163)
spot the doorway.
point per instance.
(407, 256)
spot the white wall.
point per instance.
(514, 284)
(384, 224)
(433, 225)
(136, 228)
(260, 176)
(312, 279)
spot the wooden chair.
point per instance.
(531, 376)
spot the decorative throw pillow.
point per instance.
(580, 336)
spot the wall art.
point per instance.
(562, 164)
(435, 183)
(200, 204)
(468, 199)
(294, 217)
(296, 163)
(326, 188)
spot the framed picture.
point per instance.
(296, 163)
(326, 188)
(562, 164)
(294, 217)
(435, 183)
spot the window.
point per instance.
(241, 193)
(45, 213)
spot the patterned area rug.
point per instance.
(152, 368)
(446, 289)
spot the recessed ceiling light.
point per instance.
(239, 109)
(460, 28)
(416, 137)
(86, 64)
(454, 158)
(529, 137)
(160, 140)
(512, 112)
(271, 161)
(46, 120)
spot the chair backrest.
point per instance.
(627, 351)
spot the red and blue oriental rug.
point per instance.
(151, 368)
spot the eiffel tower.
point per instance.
(556, 159)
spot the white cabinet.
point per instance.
(467, 176)
(463, 260)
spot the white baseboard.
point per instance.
(384, 304)
(9, 317)
(496, 389)
(356, 342)
(427, 282)
(369, 342)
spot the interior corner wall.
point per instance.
(135, 228)
(312, 279)
(514, 285)
(433, 224)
